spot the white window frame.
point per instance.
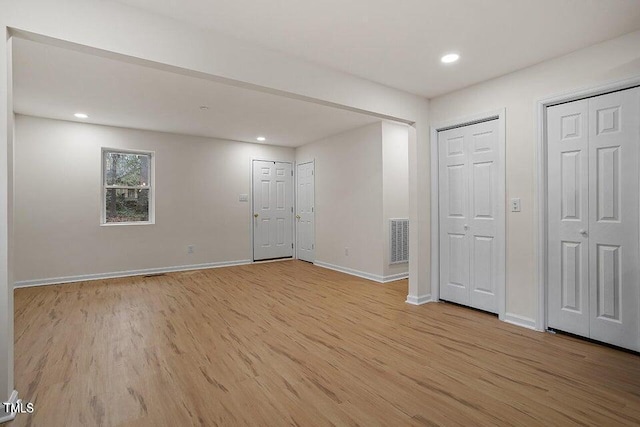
(104, 187)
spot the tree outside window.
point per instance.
(127, 186)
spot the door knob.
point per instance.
(298, 216)
(583, 232)
(255, 215)
(466, 226)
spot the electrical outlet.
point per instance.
(190, 249)
(346, 251)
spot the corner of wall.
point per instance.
(6, 288)
(395, 186)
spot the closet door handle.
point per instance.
(466, 226)
(584, 232)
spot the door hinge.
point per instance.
(291, 172)
(311, 172)
(311, 209)
(291, 209)
(313, 246)
(292, 246)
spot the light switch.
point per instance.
(243, 198)
(515, 205)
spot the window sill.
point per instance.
(115, 224)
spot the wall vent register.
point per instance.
(399, 241)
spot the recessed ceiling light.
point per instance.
(450, 57)
(261, 138)
(81, 115)
(204, 107)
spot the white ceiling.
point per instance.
(56, 83)
(399, 42)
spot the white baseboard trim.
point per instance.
(363, 274)
(516, 319)
(113, 275)
(418, 300)
(5, 417)
(394, 277)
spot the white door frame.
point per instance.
(540, 192)
(251, 225)
(295, 204)
(435, 208)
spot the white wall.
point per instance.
(57, 200)
(6, 226)
(395, 185)
(348, 198)
(361, 181)
(518, 93)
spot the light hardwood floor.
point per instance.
(288, 343)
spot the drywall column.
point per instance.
(419, 208)
(6, 286)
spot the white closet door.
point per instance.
(471, 191)
(272, 210)
(614, 258)
(593, 219)
(305, 215)
(486, 219)
(568, 220)
(453, 152)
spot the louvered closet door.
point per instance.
(471, 215)
(593, 221)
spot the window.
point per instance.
(127, 191)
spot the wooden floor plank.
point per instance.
(289, 343)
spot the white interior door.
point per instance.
(471, 201)
(305, 215)
(568, 195)
(453, 192)
(594, 225)
(272, 210)
(614, 135)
